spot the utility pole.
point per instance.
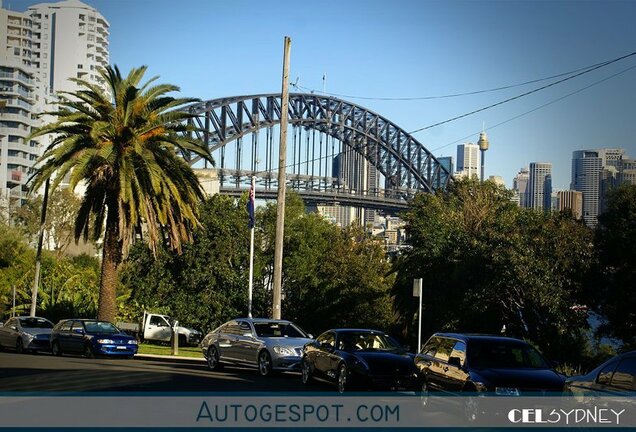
(280, 208)
(38, 255)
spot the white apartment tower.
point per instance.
(70, 40)
(539, 189)
(17, 106)
(468, 160)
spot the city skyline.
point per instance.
(407, 49)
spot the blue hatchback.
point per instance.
(91, 338)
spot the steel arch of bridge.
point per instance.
(407, 166)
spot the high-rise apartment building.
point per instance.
(17, 106)
(70, 40)
(571, 200)
(468, 160)
(539, 189)
(594, 172)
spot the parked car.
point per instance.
(26, 334)
(617, 376)
(269, 345)
(91, 338)
(455, 363)
(359, 359)
(478, 365)
(157, 327)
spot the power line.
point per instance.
(447, 96)
(539, 107)
(524, 94)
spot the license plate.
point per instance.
(121, 347)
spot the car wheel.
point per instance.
(264, 363)
(306, 371)
(55, 349)
(88, 351)
(424, 394)
(213, 358)
(19, 346)
(343, 378)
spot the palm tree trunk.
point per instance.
(111, 258)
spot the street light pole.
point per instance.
(38, 255)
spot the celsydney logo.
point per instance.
(574, 416)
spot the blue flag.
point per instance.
(250, 208)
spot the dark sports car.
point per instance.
(359, 359)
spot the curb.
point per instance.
(170, 359)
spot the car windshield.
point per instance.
(367, 341)
(100, 327)
(35, 323)
(484, 354)
(278, 329)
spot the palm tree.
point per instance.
(123, 147)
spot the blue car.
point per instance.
(91, 338)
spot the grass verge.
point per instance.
(147, 348)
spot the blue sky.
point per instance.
(405, 48)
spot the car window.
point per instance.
(158, 321)
(505, 354)
(278, 329)
(35, 323)
(624, 374)
(367, 341)
(77, 325)
(327, 338)
(444, 349)
(66, 326)
(431, 347)
(459, 351)
(245, 328)
(232, 329)
(605, 375)
(100, 327)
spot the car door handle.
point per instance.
(445, 368)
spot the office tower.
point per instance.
(572, 200)
(70, 40)
(468, 160)
(447, 162)
(520, 186)
(594, 173)
(539, 189)
(627, 171)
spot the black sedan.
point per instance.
(359, 359)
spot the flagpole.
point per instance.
(249, 293)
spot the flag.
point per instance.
(250, 207)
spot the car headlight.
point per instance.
(284, 351)
(132, 342)
(507, 391)
(105, 341)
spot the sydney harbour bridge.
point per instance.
(337, 152)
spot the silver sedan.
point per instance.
(269, 345)
(26, 334)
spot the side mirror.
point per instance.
(455, 361)
(13, 328)
(78, 331)
(247, 334)
(310, 335)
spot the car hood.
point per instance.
(285, 341)
(181, 329)
(387, 363)
(526, 379)
(37, 331)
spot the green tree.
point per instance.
(487, 263)
(124, 150)
(614, 239)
